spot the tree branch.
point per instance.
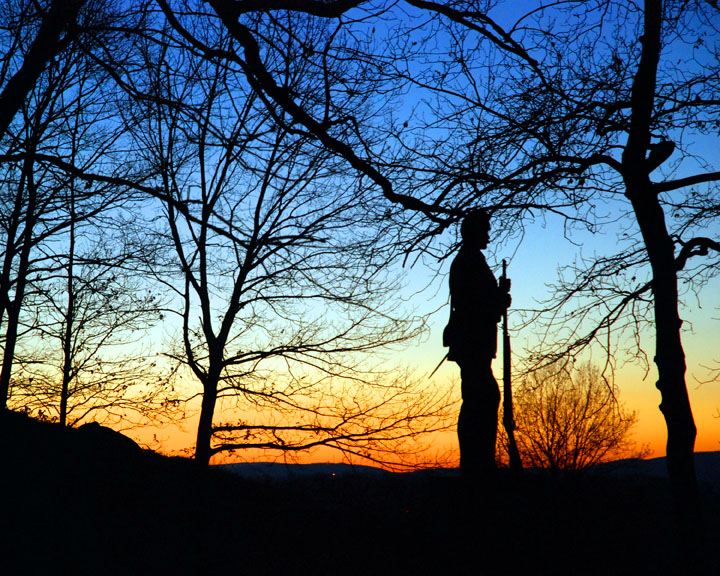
(47, 44)
(263, 82)
(683, 182)
(696, 247)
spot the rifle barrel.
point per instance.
(508, 416)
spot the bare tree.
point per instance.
(85, 355)
(48, 216)
(278, 266)
(569, 418)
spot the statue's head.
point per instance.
(475, 229)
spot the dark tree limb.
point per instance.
(670, 185)
(263, 82)
(696, 247)
(49, 41)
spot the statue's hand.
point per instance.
(508, 300)
(504, 285)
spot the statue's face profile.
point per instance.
(483, 237)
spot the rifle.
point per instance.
(508, 418)
(438, 366)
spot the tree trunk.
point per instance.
(47, 44)
(670, 356)
(14, 306)
(8, 356)
(669, 353)
(204, 433)
(67, 346)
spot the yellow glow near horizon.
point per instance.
(533, 265)
(637, 392)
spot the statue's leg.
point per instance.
(477, 424)
(489, 403)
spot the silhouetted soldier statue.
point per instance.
(476, 306)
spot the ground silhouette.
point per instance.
(85, 502)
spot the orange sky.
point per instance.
(532, 266)
(637, 394)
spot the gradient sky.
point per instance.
(533, 264)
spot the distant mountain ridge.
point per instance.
(707, 465)
(283, 470)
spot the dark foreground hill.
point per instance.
(89, 501)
